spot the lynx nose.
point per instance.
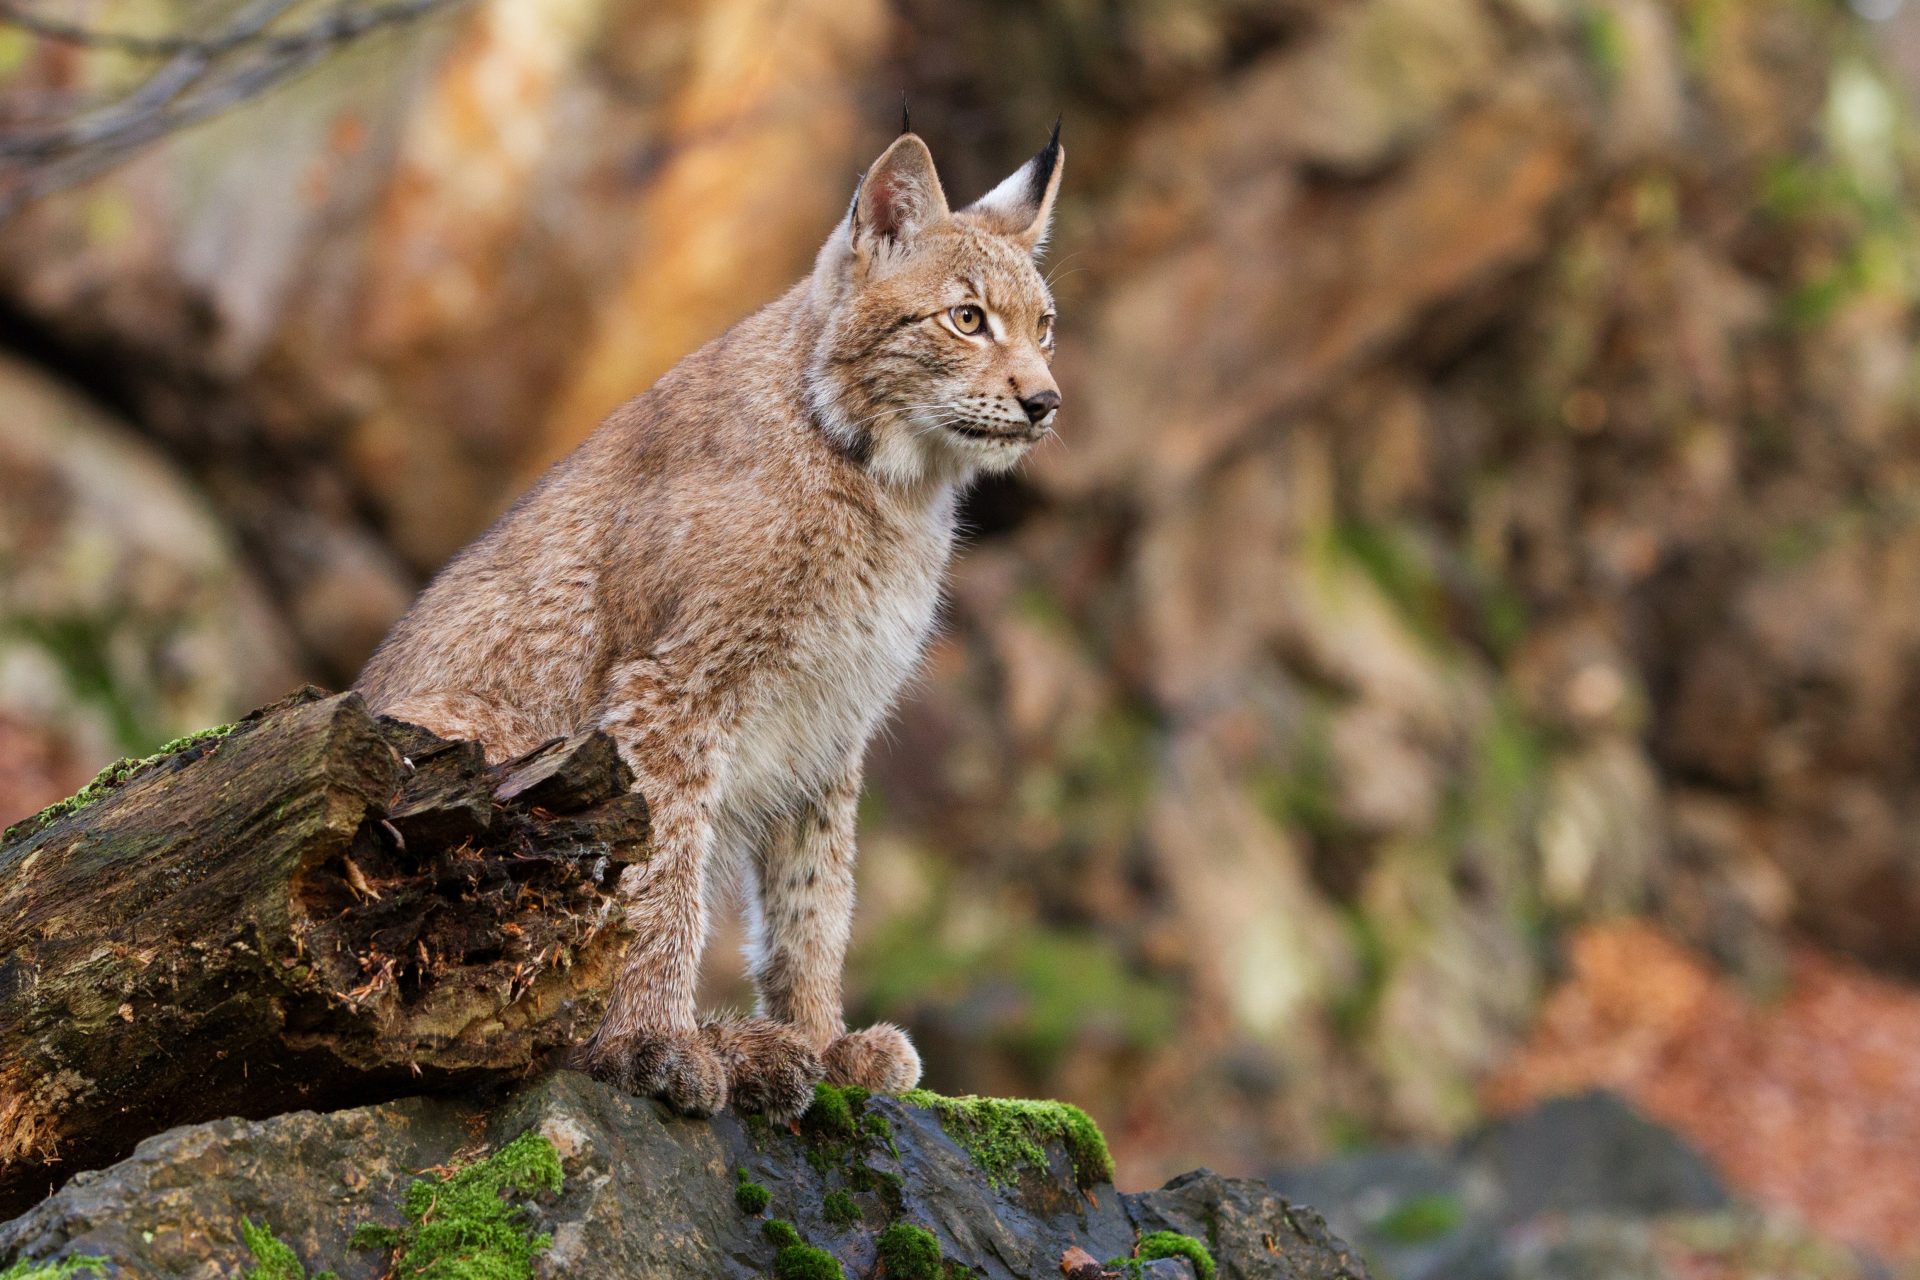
(1040, 404)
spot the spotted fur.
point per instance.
(733, 577)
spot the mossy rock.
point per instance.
(1006, 1136)
(909, 1252)
(64, 1269)
(570, 1177)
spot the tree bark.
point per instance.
(316, 909)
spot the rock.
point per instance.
(1255, 1233)
(644, 1193)
(1485, 1207)
(1593, 1152)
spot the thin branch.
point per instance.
(204, 76)
(344, 23)
(151, 100)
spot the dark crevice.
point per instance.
(996, 506)
(93, 373)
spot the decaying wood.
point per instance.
(565, 774)
(315, 909)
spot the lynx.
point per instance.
(732, 577)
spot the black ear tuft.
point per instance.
(1041, 170)
(906, 121)
(1022, 206)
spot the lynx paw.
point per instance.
(769, 1067)
(681, 1070)
(880, 1058)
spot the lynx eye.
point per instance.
(968, 319)
(1046, 331)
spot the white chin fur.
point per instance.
(990, 455)
(930, 451)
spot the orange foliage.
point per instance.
(1809, 1103)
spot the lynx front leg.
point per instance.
(806, 906)
(650, 1040)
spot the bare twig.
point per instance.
(344, 23)
(203, 75)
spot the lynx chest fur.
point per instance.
(847, 631)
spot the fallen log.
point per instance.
(313, 908)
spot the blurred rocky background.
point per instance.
(1464, 648)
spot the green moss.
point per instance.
(1007, 1135)
(462, 1227)
(1303, 795)
(837, 1131)
(1075, 984)
(1605, 38)
(114, 775)
(1420, 1219)
(750, 1195)
(16, 49)
(61, 1270)
(908, 1252)
(1441, 595)
(372, 1235)
(1400, 566)
(1354, 1007)
(839, 1209)
(1104, 776)
(1171, 1244)
(83, 645)
(885, 1183)
(1345, 1131)
(804, 1262)
(780, 1233)
(831, 1115)
(273, 1258)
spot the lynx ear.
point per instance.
(899, 197)
(1021, 208)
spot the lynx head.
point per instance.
(932, 362)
